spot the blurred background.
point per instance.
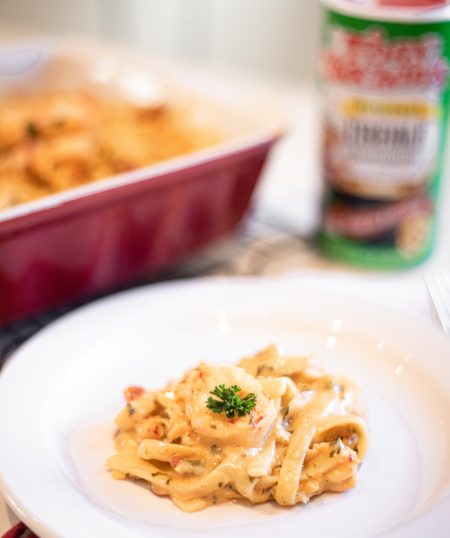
(281, 40)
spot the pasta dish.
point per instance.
(271, 428)
(54, 141)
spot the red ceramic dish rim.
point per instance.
(14, 218)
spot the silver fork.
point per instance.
(437, 281)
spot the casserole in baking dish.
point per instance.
(91, 236)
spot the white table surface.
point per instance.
(289, 196)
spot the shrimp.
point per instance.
(249, 430)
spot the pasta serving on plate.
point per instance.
(271, 428)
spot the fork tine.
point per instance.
(438, 285)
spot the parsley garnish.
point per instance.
(230, 402)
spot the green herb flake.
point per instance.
(131, 410)
(32, 130)
(229, 402)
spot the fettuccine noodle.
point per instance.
(305, 435)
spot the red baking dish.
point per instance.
(94, 238)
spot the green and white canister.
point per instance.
(385, 84)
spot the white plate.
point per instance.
(60, 392)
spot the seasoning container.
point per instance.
(385, 75)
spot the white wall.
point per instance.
(59, 15)
(263, 36)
